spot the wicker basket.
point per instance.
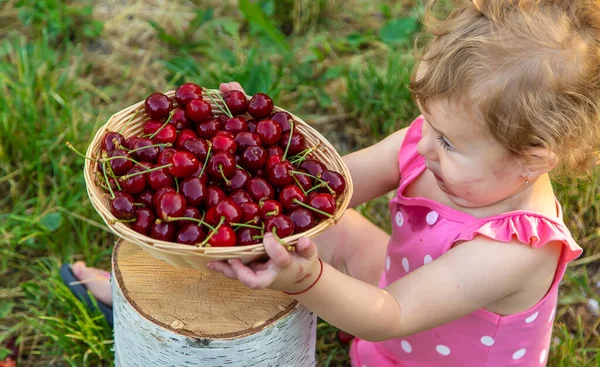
(191, 256)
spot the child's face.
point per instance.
(469, 165)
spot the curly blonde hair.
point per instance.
(531, 67)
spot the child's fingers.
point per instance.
(222, 267)
(306, 248)
(226, 87)
(249, 277)
(277, 252)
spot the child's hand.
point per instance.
(226, 87)
(287, 271)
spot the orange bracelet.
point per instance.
(312, 285)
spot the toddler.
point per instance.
(509, 91)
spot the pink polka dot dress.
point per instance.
(423, 230)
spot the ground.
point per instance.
(66, 66)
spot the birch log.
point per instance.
(167, 316)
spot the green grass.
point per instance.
(65, 68)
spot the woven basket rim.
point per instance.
(95, 192)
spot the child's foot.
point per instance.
(97, 281)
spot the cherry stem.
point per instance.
(168, 145)
(176, 185)
(138, 204)
(239, 167)
(112, 173)
(199, 221)
(127, 123)
(258, 237)
(113, 221)
(212, 233)
(316, 178)
(70, 146)
(245, 225)
(311, 208)
(206, 159)
(300, 157)
(227, 111)
(121, 157)
(112, 194)
(299, 185)
(165, 124)
(315, 188)
(222, 174)
(126, 177)
(289, 141)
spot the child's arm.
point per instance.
(374, 170)
(471, 276)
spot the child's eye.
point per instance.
(444, 142)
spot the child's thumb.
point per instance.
(277, 252)
(306, 248)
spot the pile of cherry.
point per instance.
(199, 178)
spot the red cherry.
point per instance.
(344, 337)
(223, 143)
(236, 101)
(210, 216)
(275, 150)
(306, 182)
(254, 157)
(130, 142)
(179, 120)
(269, 132)
(194, 191)
(270, 208)
(159, 193)
(170, 204)
(259, 189)
(245, 139)
(119, 166)
(160, 178)
(261, 173)
(283, 119)
(303, 219)
(145, 197)
(322, 202)
(222, 120)
(122, 206)
(223, 237)
(190, 212)
(272, 161)
(287, 196)
(164, 157)
(334, 180)
(313, 167)
(190, 234)
(252, 125)
(297, 144)
(163, 231)
(282, 224)
(198, 110)
(135, 184)
(248, 236)
(145, 154)
(196, 146)
(108, 143)
(158, 105)
(186, 92)
(183, 136)
(230, 210)
(144, 217)
(250, 212)
(280, 174)
(240, 196)
(236, 125)
(168, 134)
(238, 180)
(151, 126)
(184, 164)
(214, 195)
(221, 162)
(260, 106)
(208, 128)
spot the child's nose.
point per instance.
(426, 148)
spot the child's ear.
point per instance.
(540, 161)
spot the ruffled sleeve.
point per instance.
(528, 228)
(408, 157)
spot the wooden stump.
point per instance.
(168, 316)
